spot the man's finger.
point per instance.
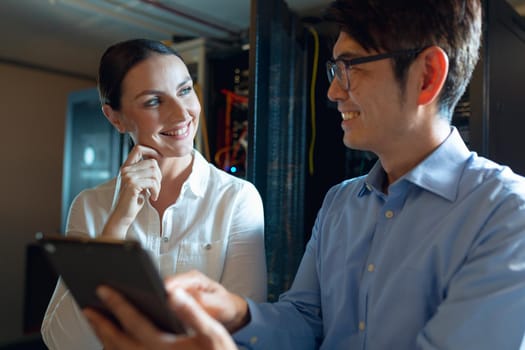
(205, 330)
(191, 313)
(131, 320)
(107, 332)
(189, 281)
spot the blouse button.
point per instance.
(207, 246)
(389, 214)
(165, 239)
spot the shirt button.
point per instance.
(165, 239)
(389, 214)
(253, 340)
(207, 246)
(361, 326)
(371, 268)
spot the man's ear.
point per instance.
(114, 118)
(435, 71)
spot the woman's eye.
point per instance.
(185, 90)
(152, 102)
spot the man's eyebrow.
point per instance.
(347, 55)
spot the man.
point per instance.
(427, 251)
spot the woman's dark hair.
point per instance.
(391, 25)
(118, 59)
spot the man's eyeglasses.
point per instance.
(339, 68)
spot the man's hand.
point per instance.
(139, 333)
(229, 309)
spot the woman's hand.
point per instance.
(139, 176)
(139, 333)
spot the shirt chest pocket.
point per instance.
(206, 257)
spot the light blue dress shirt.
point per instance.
(437, 263)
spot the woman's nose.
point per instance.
(177, 110)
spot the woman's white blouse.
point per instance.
(215, 226)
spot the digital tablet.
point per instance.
(85, 263)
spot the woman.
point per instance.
(184, 211)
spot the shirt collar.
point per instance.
(374, 179)
(439, 173)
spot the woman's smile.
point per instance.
(178, 132)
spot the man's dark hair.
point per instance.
(392, 25)
(118, 59)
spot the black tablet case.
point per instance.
(85, 263)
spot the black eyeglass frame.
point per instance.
(332, 67)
